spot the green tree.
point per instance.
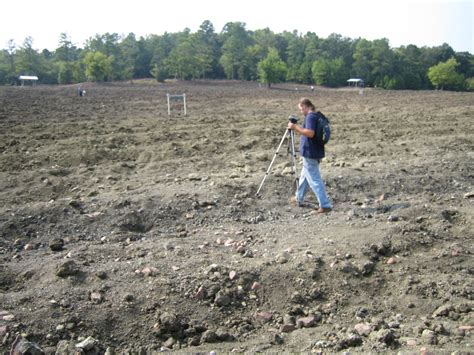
(295, 54)
(98, 66)
(235, 41)
(272, 69)
(444, 75)
(29, 61)
(330, 72)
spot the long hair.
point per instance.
(307, 102)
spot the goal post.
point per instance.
(181, 98)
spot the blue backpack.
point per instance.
(323, 130)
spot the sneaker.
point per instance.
(323, 210)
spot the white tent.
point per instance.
(32, 78)
(355, 82)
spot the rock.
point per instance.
(101, 275)
(201, 293)
(429, 337)
(287, 328)
(363, 329)
(209, 336)
(264, 316)
(222, 299)
(276, 339)
(256, 286)
(385, 336)
(69, 268)
(149, 271)
(87, 344)
(169, 322)
(367, 268)
(393, 218)
(3, 331)
(65, 347)
(23, 347)
(443, 311)
(96, 297)
(169, 342)
(306, 322)
(232, 275)
(56, 244)
(392, 261)
(469, 194)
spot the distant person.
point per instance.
(80, 91)
(312, 152)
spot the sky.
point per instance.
(402, 22)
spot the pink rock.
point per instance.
(232, 275)
(306, 322)
(411, 342)
(29, 246)
(149, 271)
(466, 327)
(3, 331)
(264, 316)
(363, 329)
(392, 261)
(256, 286)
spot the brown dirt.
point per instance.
(148, 215)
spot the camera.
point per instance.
(293, 119)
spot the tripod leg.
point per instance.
(293, 159)
(271, 163)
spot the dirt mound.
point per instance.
(125, 229)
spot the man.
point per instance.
(312, 152)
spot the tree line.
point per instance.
(240, 54)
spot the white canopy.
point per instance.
(28, 77)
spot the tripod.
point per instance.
(290, 134)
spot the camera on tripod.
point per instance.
(293, 119)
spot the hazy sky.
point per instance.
(403, 22)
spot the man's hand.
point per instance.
(292, 125)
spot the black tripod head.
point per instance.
(293, 119)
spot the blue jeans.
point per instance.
(311, 176)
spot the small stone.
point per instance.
(69, 268)
(3, 330)
(429, 336)
(232, 275)
(149, 271)
(201, 293)
(96, 297)
(363, 329)
(264, 316)
(222, 299)
(256, 286)
(169, 342)
(391, 261)
(306, 322)
(129, 297)
(29, 246)
(209, 336)
(287, 328)
(56, 244)
(443, 311)
(392, 218)
(87, 344)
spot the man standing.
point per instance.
(312, 152)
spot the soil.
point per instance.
(127, 230)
